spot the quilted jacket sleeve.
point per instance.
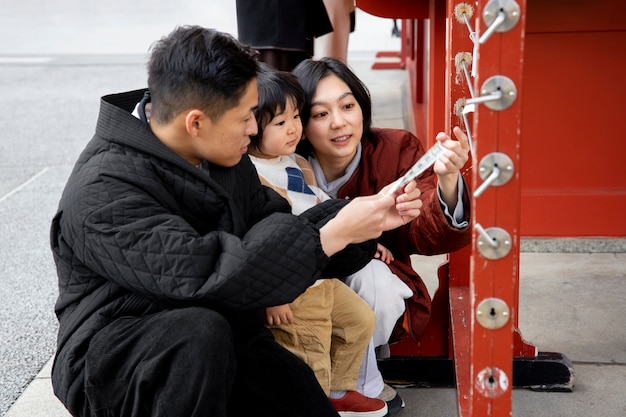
(129, 237)
(353, 257)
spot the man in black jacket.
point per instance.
(167, 249)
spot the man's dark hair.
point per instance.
(196, 67)
(310, 72)
(275, 88)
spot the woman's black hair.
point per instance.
(275, 89)
(310, 72)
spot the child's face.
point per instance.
(282, 133)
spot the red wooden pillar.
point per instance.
(472, 340)
(484, 310)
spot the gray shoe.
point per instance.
(394, 402)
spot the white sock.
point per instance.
(337, 394)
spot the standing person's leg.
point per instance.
(335, 43)
(283, 60)
(175, 363)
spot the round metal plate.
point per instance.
(492, 313)
(500, 160)
(501, 237)
(509, 7)
(502, 84)
(492, 382)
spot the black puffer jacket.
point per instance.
(139, 230)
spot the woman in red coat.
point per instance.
(351, 158)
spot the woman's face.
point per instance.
(336, 123)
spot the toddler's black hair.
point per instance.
(275, 89)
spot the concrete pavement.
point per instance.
(55, 63)
(569, 302)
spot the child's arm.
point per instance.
(383, 254)
(279, 315)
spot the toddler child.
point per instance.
(329, 326)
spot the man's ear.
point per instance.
(194, 121)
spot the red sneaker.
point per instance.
(354, 404)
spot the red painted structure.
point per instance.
(543, 186)
(573, 178)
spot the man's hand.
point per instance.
(408, 204)
(366, 218)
